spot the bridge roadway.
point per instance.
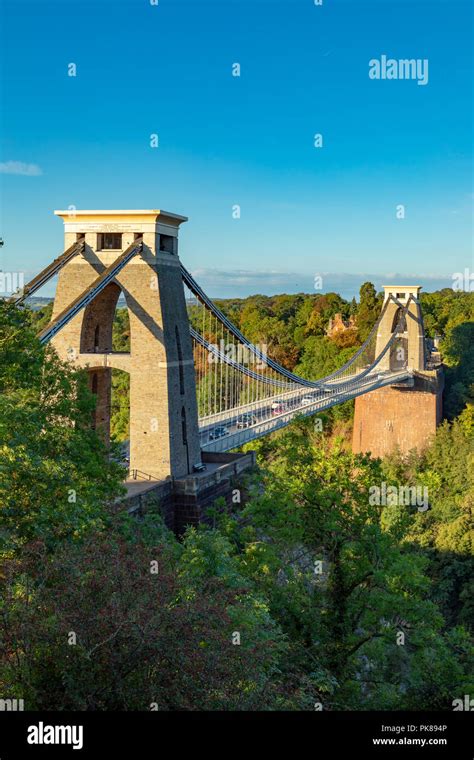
(316, 400)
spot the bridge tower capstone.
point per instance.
(164, 434)
(402, 416)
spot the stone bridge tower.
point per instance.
(402, 416)
(413, 346)
(164, 436)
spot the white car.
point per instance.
(307, 400)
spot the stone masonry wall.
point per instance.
(397, 417)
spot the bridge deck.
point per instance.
(269, 422)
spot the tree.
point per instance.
(321, 356)
(368, 311)
(121, 330)
(120, 406)
(119, 623)
(55, 473)
(458, 355)
(340, 584)
(445, 531)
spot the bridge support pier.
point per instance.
(186, 501)
(402, 417)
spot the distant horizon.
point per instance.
(346, 285)
(220, 284)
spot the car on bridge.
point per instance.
(307, 400)
(246, 420)
(278, 407)
(218, 432)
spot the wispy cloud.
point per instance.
(19, 167)
(245, 276)
(240, 282)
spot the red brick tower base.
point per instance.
(402, 417)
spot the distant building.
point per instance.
(337, 325)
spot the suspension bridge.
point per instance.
(198, 386)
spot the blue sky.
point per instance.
(248, 140)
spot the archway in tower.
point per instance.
(120, 390)
(106, 330)
(98, 322)
(120, 411)
(399, 348)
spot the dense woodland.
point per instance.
(304, 596)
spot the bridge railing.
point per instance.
(364, 359)
(237, 437)
(253, 390)
(139, 475)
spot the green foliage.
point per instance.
(342, 624)
(446, 530)
(309, 593)
(42, 317)
(55, 475)
(450, 314)
(378, 579)
(121, 331)
(143, 633)
(321, 357)
(369, 310)
(120, 406)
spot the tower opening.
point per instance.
(99, 384)
(180, 361)
(399, 317)
(183, 426)
(167, 244)
(120, 408)
(109, 241)
(97, 325)
(120, 388)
